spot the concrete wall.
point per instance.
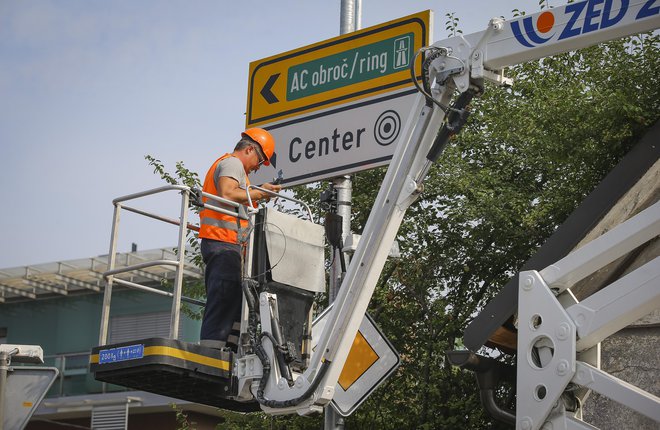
(633, 355)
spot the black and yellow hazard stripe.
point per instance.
(171, 352)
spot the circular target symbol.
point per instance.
(387, 128)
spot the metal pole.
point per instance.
(351, 20)
(107, 293)
(347, 17)
(5, 361)
(344, 187)
(178, 283)
(358, 15)
(4, 367)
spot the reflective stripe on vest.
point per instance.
(215, 225)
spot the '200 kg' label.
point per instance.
(122, 353)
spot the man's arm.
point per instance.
(228, 188)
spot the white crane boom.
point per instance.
(458, 63)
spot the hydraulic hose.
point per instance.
(489, 372)
(265, 362)
(291, 402)
(281, 361)
(425, 89)
(456, 118)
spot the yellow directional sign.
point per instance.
(347, 68)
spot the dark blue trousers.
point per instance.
(223, 291)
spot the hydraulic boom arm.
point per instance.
(458, 64)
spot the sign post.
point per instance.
(343, 187)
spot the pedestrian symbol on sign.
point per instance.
(401, 52)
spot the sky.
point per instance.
(88, 88)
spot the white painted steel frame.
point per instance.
(179, 262)
(558, 334)
(479, 55)
(367, 262)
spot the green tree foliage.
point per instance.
(182, 421)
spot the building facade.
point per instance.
(58, 307)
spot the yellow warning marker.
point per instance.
(360, 358)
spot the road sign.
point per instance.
(336, 71)
(337, 142)
(338, 106)
(371, 360)
(25, 388)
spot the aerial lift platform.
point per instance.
(554, 350)
(199, 373)
(173, 368)
(165, 366)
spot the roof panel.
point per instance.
(85, 275)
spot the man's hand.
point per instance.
(271, 187)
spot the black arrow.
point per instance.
(266, 92)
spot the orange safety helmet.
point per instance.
(264, 139)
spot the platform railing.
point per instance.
(188, 196)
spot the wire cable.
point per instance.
(255, 277)
(256, 343)
(426, 90)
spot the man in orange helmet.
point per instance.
(223, 237)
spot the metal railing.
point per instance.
(188, 196)
(277, 195)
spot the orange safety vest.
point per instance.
(215, 225)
